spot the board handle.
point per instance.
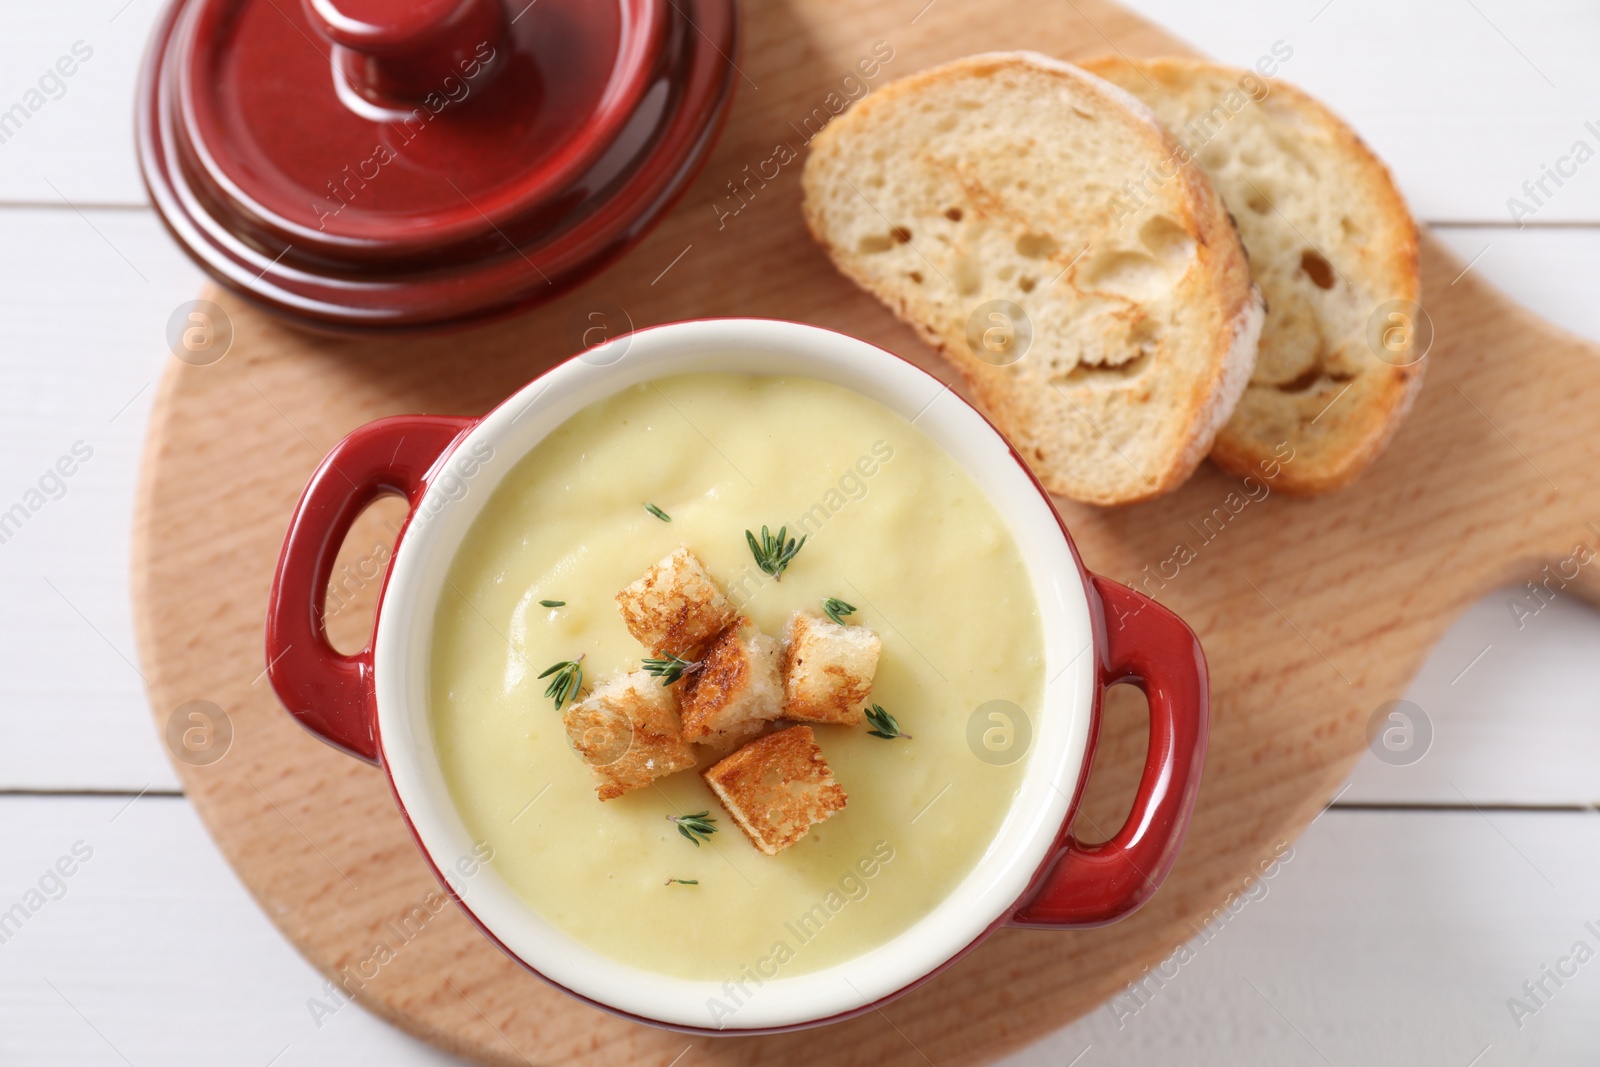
(1092, 885)
(330, 693)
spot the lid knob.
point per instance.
(397, 54)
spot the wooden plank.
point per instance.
(72, 140)
(1465, 101)
(1510, 701)
(1387, 938)
(54, 668)
(1384, 939)
(1547, 271)
(1451, 94)
(151, 952)
(83, 312)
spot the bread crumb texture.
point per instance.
(777, 788)
(990, 203)
(627, 731)
(676, 608)
(1330, 242)
(828, 670)
(736, 690)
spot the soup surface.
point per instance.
(894, 527)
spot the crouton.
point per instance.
(777, 788)
(676, 608)
(827, 670)
(736, 690)
(627, 732)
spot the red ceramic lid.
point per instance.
(403, 163)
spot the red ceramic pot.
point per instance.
(394, 164)
(1097, 633)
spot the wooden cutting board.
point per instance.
(1313, 613)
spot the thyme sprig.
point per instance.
(884, 725)
(552, 603)
(836, 609)
(697, 827)
(567, 681)
(683, 881)
(658, 513)
(670, 668)
(774, 554)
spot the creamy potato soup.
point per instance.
(893, 527)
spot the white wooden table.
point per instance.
(1398, 931)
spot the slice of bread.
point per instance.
(736, 690)
(1330, 243)
(777, 788)
(676, 608)
(627, 731)
(986, 202)
(827, 670)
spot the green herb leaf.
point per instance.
(683, 881)
(670, 668)
(774, 554)
(567, 681)
(884, 724)
(697, 827)
(836, 609)
(658, 513)
(552, 603)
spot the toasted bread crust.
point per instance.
(1338, 427)
(1024, 405)
(824, 681)
(627, 731)
(736, 689)
(676, 607)
(777, 787)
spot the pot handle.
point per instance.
(1092, 885)
(330, 693)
